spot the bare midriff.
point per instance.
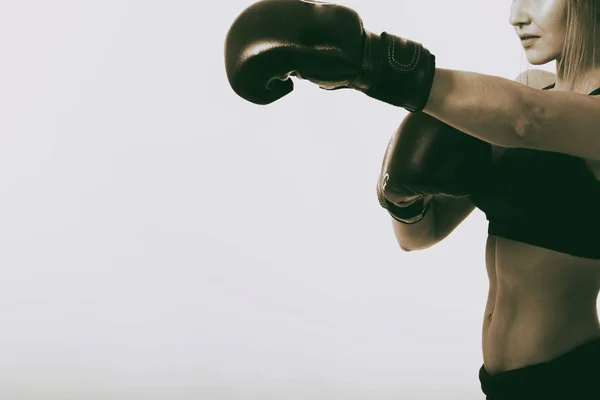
(541, 304)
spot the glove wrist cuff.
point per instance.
(396, 71)
(412, 213)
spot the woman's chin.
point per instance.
(536, 58)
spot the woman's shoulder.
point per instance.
(536, 78)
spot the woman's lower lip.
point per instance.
(529, 41)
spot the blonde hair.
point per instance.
(579, 50)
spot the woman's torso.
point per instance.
(541, 303)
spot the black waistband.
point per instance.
(576, 370)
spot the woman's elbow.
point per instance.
(408, 248)
(413, 238)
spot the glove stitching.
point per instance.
(398, 65)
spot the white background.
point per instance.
(161, 238)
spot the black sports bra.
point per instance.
(546, 199)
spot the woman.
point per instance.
(541, 321)
(541, 333)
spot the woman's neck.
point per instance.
(589, 82)
(586, 85)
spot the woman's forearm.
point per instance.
(490, 108)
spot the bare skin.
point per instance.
(541, 304)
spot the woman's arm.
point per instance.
(446, 213)
(508, 114)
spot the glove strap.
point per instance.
(396, 71)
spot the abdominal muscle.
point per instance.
(541, 304)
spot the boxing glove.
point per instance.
(424, 158)
(326, 44)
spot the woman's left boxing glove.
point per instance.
(326, 44)
(427, 158)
